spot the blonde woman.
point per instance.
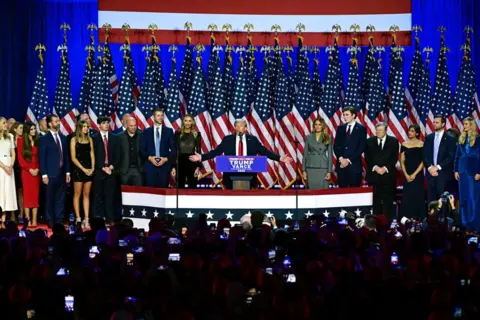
(188, 141)
(8, 196)
(467, 173)
(317, 157)
(83, 158)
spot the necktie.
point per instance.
(240, 146)
(105, 147)
(157, 143)
(349, 130)
(59, 146)
(436, 145)
(380, 143)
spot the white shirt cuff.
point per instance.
(68, 173)
(374, 167)
(44, 176)
(438, 167)
(386, 169)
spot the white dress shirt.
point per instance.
(381, 144)
(244, 144)
(439, 141)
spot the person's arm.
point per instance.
(402, 162)
(21, 160)
(198, 148)
(42, 156)
(261, 149)
(360, 147)
(457, 158)
(330, 155)
(305, 152)
(451, 148)
(73, 153)
(369, 157)
(392, 157)
(12, 151)
(215, 152)
(173, 148)
(92, 153)
(66, 157)
(420, 167)
(142, 146)
(337, 147)
(427, 159)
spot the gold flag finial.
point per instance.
(173, 48)
(249, 27)
(266, 51)
(394, 28)
(227, 28)
(199, 48)
(41, 49)
(468, 30)
(276, 28)
(126, 27)
(337, 29)
(188, 26)
(65, 26)
(92, 27)
(212, 27)
(442, 29)
(416, 28)
(354, 27)
(125, 47)
(300, 28)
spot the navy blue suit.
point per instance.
(49, 158)
(350, 147)
(467, 164)
(227, 147)
(158, 176)
(446, 153)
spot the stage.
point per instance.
(142, 204)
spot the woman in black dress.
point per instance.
(411, 160)
(188, 141)
(17, 130)
(83, 158)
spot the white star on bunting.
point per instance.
(132, 212)
(189, 214)
(289, 215)
(209, 215)
(229, 215)
(144, 212)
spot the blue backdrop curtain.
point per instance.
(25, 23)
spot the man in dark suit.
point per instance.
(55, 170)
(104, 180)
(381, 155)
(438, 156)
(158, 149)
(130, 163)
(240, 144)
(348, 147)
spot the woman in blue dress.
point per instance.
(467, 173)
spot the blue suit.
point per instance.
(158, 176)
(445, 157)
(350, 147)
(467, 164)
(49, 158)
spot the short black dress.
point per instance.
(82, 152)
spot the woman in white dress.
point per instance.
(8, 194)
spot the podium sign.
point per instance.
(241, 164)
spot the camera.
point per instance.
(444, 196)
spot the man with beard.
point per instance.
(55, 170)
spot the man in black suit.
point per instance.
(240, 144)
(438, 156)
(348, 147)
(130, 163)
(104, 180)
(381, 155)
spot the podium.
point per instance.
(249, 165)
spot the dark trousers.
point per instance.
(186, 172)
(383, 197)
(133, 177)
(347, 177)
(104, 188)
(435, 187)
(55, 200)
(157, 177)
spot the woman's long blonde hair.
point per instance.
(472, 133)
(324, 136)
(192, 129)
(4, 133)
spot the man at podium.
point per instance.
(239, 144)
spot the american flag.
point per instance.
(38, 108)
(202, 117)
(284, 131)
(240, 107)
(304, 111)
(398, 116)
(423, 100)
(158, 79)
(85, 97)
(331, 105)
(111, 73)
(442, 102)
(317, 85)
(173, 115)
(149, 100)
(373, 91)
(186, 79)
(228, 79)
(413, 87)
(353, 95)
(252, 82)
(262, 124)
(211, 66)
(99, 85)
(466, 99)
(63, 103)
(221, 125)
(126, 98)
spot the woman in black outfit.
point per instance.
(188, 141)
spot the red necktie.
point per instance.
(240, 146)
(105, 146)
(59, 146)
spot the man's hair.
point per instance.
(240, 121)
(127, 223)
(50, 118)
(154, 111)
(370, 222)
(442, 118)
(351, 110)
(382, 124)
(79, 116)
(433, 206)
(102, 119)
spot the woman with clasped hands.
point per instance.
(467, 173)
(317, 157)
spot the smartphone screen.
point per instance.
(291, 278)
(121, 243)
(287, 262)
(473, 240)
(129, 259)
(271, 254)
(69, 303)
(62, 272)
(226, 231)
(22, 234)
(138, 249)
(394, 259)
(269, 271)
(174, 257)
(173, 241)
(184, 231)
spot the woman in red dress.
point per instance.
(28, 159)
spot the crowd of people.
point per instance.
(46, 162)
